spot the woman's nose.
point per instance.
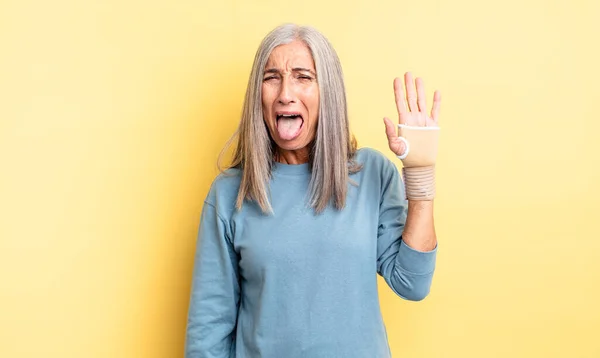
(286, 93)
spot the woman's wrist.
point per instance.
(419, 182)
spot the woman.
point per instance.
(293, 234)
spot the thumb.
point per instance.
(395, 144)
(390, 129)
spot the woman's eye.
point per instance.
(269, 78)
(306, 77)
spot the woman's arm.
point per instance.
(419, 232)
(408, 263)
(214, 300)
(406, 248)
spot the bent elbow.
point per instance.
(417, 294)
(410, 286)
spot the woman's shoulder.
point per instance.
(224, 188)
(228, 177)
(378, 170)
(373, 159)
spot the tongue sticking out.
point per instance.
(289, 128)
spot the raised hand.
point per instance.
(412, 110)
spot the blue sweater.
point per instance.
(296, 284)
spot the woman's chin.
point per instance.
(294, 144)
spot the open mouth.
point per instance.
(289, 116)
(289, 125)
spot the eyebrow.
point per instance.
(295, 69)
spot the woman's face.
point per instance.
(290, 96)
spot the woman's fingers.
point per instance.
(412, 109)
(411, 93)
(390, 129)
(421, 96)
(421, 102)
(396, 144)
(400, 104)
(435, 109)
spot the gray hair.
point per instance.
(331, 158)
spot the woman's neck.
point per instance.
(298, 156)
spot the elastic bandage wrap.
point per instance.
(419, 161)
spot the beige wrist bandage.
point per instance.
(419, 161)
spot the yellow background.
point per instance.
(113, 113)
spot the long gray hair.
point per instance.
(331, 156)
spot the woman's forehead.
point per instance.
(295, 55)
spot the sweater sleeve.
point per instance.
(213, 306)
(408, 272)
